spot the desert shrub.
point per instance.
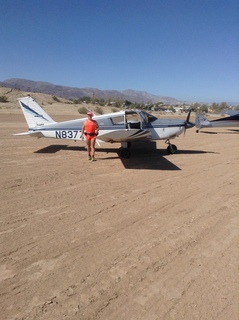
(99, 110)
(83, 99)
(82, 110)
(56, 99)
(3, 99)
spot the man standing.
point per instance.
(90, 129)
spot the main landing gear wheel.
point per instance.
(171, 149)
(125, 153)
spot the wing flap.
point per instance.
(124, 135)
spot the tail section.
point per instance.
(34, 114)
(201, 121)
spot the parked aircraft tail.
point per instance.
(201, 121)
(34, 114)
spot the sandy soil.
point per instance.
(151, 237)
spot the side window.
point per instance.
(133, 120)
(132, 117)
(119, 120)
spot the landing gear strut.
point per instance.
(171, 149)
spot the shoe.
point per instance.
(93, 159)
(89, 158)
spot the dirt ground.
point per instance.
(150, 237)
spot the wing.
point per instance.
(123, 135)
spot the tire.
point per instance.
(125, 153)
(171, 149)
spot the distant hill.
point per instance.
(75, 93)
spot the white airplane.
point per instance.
(125, 126)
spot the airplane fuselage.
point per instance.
(124, 126)
(115, 128)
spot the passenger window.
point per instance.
(118, 120)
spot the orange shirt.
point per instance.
(90, 126)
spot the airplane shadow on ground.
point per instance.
(151, 158)
(144, 155)
(53, 148)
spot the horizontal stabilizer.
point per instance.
(30, 133)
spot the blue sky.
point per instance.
(186, 49)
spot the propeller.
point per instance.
(188, 124)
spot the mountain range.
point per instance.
(76, 93)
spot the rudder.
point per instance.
(201, 121)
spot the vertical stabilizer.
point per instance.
(34, 114)
(201, 121)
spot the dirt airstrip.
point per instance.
(150, 237)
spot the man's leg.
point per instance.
(92, 144)
(88, 141)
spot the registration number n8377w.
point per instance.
(66, 134)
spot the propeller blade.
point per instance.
(188, 124)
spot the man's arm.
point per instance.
(97, 128)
